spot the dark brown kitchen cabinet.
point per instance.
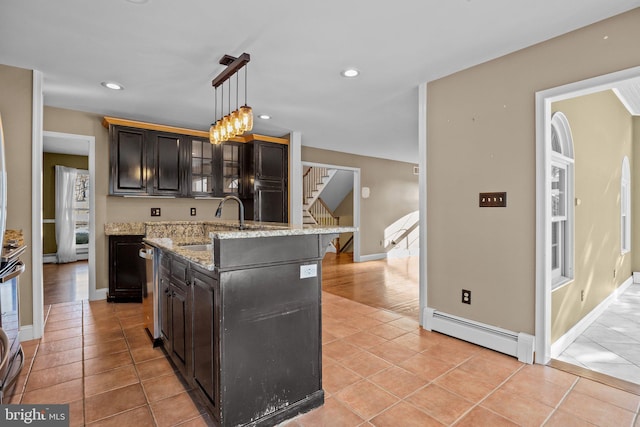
(202, 170)
(267, 179)
(166, 163)
(206, 323)
(128, 161)
(175, 303)
(127, 271)
(145, 162)
(231, 157)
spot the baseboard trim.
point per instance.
(372, 257)
(99, 294)
(515, 344)
(578, 329)
(49, 258)
(26, 333)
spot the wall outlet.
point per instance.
(155, 211)
(309, 270)
(193, 211)
(466, 296)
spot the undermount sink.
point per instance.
(198, 248)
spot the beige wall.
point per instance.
(49, 162)
(394, 192)
(602, 134)
(16, 87)
(481, 137)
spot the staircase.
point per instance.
(314, 211)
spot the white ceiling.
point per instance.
(166, 53)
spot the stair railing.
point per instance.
(310, 182)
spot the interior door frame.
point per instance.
(544, 99)
(356, 200)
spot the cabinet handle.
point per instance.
(188, 283)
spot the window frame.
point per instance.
(562, 260)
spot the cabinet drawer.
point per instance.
(165, 261)
(179, 270)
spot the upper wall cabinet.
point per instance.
(157, 160)
(146, 162)
(128, 155)
(167, 163)
(202, 170)
(231, 156)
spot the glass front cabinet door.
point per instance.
(231, 153)
(202, 168)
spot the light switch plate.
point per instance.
(493, 200)
(309, 270)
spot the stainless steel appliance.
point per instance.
(10, 268)
(150, 294)
(11, 355)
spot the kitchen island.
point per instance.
(240, 315)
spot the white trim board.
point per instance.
(578, 329)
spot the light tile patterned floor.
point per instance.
(379, 369)
(611, 345)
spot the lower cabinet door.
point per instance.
(180, 342)
(205, 338)
(165, 306)
(127, 271)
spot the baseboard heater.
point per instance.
(515, 344)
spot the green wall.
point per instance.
(49, 162)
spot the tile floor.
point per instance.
(611, 345)
(379, 369)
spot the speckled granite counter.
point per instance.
(176, 235)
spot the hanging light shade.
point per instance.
(214, 135)
(247, 118)
(228, 124)
(236, 121)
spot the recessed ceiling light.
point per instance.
(350, 72)
(138, 1)
(112, 85)
(264, 116)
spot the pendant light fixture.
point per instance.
(241, 119)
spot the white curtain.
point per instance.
(65, 214)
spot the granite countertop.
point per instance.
(203, 258)
(222, 229)
(175, 235)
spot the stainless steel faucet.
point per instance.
(240, 209)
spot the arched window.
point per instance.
(562, 200)
(625, 207)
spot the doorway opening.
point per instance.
(551, 342)
(331, 197)
(68, 246)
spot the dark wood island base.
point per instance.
(244, 326)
